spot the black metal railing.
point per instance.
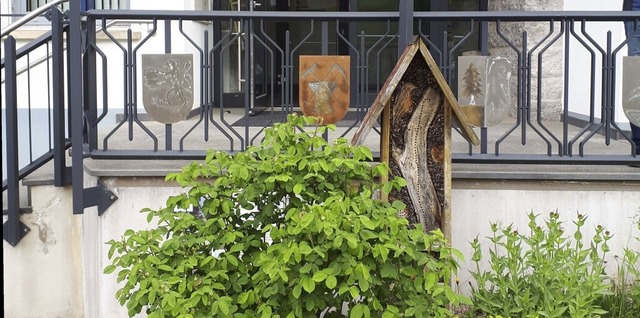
(550, 125)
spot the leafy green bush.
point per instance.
(543, 273)
(291, 228)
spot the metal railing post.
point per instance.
(75, 103)
(405, 25)
(57, 68)
(90, 95)
(12, 230)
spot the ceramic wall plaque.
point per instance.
(324, 87)
(167, 86)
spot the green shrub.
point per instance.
(291, 228)
(542, 273)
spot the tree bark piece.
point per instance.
(411, 154)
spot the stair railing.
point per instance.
(13, 229)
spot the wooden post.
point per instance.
(384, 143)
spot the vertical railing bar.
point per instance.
(565, 121)
(75, 102)
(11, 228)
(360, 98)
(613, 92)
(29, 122)
(524, 79)
(167, 50)
(90, 87)
(444, 67)
(324, 38)
(68, 87)
(607, 92)
(58, 98)
(285, 75)
(129, 83)
(483, 31)
(206, 93)
(48, 76)
(405, 25)
(248, 78)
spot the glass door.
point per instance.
(243, 64)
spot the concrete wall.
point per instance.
(43, 275)
(56, 270)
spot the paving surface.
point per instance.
(511, 144)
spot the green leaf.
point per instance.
(343, 289)
(242, 298)
(297, 290)
(366, 221)
(354, 291)
(232, 259)
(110, 269)
(297, 189)
(283, 275)
(267, 312)
(308, 284)
(319, 276)
(305, 249)
(331, 281)
(357, 311)
(152, 296)
(307, 218)
(224, 306)
(410, 311)
(165, 268)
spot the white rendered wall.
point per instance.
(476, 204)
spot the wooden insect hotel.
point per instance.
(417, 108)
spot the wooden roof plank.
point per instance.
(385, 94)
(463, 121)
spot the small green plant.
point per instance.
(624, 302)
(543, 273)
(292, 228)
